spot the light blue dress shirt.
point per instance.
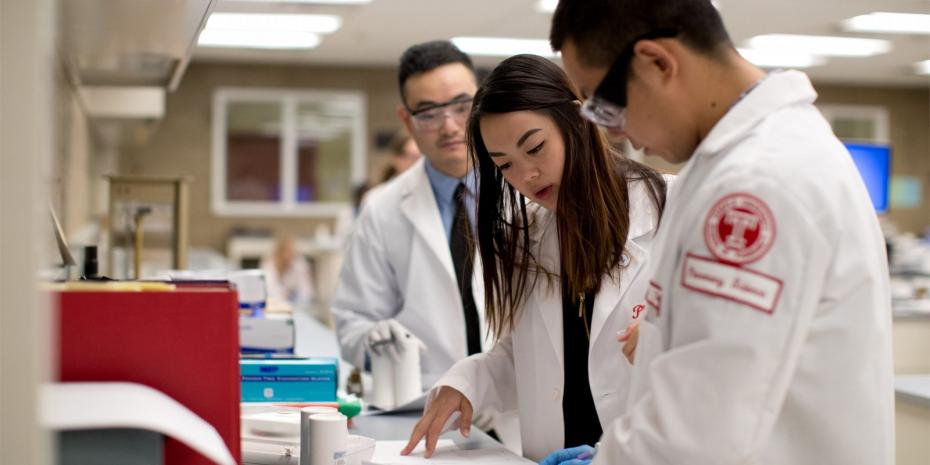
(444, 191)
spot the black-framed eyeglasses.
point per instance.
(607, 105)
(432, 117)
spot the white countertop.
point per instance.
(913, 388)
(911, 308)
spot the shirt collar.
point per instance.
(444, 185)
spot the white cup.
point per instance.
(305, 431)
(325, 440)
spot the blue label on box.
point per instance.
(289, 380)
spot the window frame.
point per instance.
(878, 114)
(289, 99)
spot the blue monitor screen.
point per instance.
(874, 163)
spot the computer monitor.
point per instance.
(874, 163)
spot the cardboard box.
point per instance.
(266, 334)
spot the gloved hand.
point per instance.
(388, 337)
(580, 455)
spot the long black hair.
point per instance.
(593, 208)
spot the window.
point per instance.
(286, 153)
(858, 122)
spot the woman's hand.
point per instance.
(629, 338)
(446, 402)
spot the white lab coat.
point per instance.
(525, 371)
(398, 265)
(796, 368)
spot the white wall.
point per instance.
(26, 77)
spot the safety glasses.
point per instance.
(607, 105)
(433, 117)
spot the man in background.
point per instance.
(409, 269)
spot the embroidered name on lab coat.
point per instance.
(748, 287)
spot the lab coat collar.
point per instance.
(613, 290)
(544, 243)
(419, 206)
(644, 215)
(777, 90)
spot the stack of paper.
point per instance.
(447, 453)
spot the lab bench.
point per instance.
(912, 419)
(313, 338)
(913, 388)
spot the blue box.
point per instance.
(289, 379)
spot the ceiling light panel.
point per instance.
(885, 22)
(780, 59)
(922, 67)
(317, 2)
(499, 46)
(319, 24)
(547, 6)
(820, 45)
(258, 39)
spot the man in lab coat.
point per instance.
(768, 334)
(401, 274)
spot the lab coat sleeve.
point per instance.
(715, 393)
(367, 291)
(487, 379)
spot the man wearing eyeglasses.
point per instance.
(768, 334)
(410, 266)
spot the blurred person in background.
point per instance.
(404, 154)
(287, 274)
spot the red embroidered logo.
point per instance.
(739, 229)
(637, 310)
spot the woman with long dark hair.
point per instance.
(564, 226)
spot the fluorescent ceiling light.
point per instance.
(899, 23)
(496, 46)
(258, 39)
(547, 6)
(780, 59)
(820, 45)
(922, 67)
(318, 2)
(320, 24)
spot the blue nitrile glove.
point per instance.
(580, 455)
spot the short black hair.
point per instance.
(428, 56)
(600, 29)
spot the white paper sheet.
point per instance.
(79, 406)
(447, 453)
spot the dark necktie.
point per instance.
(463, 255)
